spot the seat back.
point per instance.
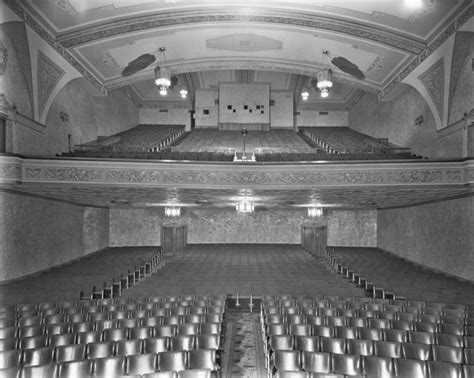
(287, 360)
(142, 363)
(317, 362)
(128, 347)
(442, 369)
(109, 367)
(172, 360)
(10, 358)
(63, 353)
(378, 367)
(202, 359)
(75, 369)
(38, 356)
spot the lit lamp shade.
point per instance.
(305, 94)
(172, 211)
(245, 207)
(324, 79)
(162, 77)
(314, 211)
(183, 92)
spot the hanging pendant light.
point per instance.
(162, 74)
(324, 77)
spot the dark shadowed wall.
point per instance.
(37, 234)
(438, 235)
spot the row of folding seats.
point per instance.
(183, 314)
(367, 322)
(293, 313)
(367, 347)
(286, 362)
(349, 332)
(122, 348)
(132, 365)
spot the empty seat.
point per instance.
(324, 331)
(390, 349)
(210, 328)
(142, 363)
(306, 343)
(346, 332)
(12, 372)
(88, 337)
(395, 335)
(281, 342)
(287, 360)
(421, 337)
(332, 345)
(347, 364)
(292, 374)
(448, 354)
(7, 344)
(62, 339)
(182, 342)
(156, 345)
(10, 358)
(417, 351)
(172, 360)
(316, 362)
(143, 332)
(161, 374)
(38, 356)
(114, 334)
(33, 342)
(109, 367)
(208, 341)
(100, 349)
(438, 369)
(188, 329)
(378, 367)
(410, 368)
(371, 333)
(195, 373)
(128, 347)
(165, 331)
(75, 369)
(30, 331)
(63, 353)
(202, 359)
(40, 371)
(360, 347)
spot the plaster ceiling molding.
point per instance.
(376, 65)
(429, 7)
(433, 81)
(66, 6)
(244, 43)
(48, 76)
(108, 59)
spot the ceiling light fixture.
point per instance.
(314, 211)
(172, 211)
(183, 92)
(305, 94)
(245, 206)
(162, 74)
(324, 77)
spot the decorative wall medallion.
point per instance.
(34, 173)
(132, 175)
(454, 175)
(376, 65)
(433, 80)
(49, 74)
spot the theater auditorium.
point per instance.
(250, 188)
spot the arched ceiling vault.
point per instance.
(280, 42)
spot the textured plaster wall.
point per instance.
(395, 120)
(142, 227)
(438, 235)
(281, 114)
(37, 234)
(352, 228)
(244, 99)
(205, 99)
(90, 115)
(171, 117)
(17, 78)
(313, 118)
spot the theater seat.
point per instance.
(38, 356)
(442, 369)
(40, 371)
(75, 369)
(109, 367)
(142, 363)
(287, 360)
(172, 360)
(410, 368)
(10, 358)
(378, 367)
(12, 372)
(195, 373)
(161, 374)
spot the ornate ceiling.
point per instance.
(212, 41)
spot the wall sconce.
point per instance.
(64, 116)
(172, 211)
(419, 120)
(314, 211)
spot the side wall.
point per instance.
(437, 235)
(142, 227)
(395, 120)
(38, 234)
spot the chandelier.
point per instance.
(324, 77)
(314, 211)
(162, 74)
(172, 211)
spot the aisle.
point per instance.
(243, 348)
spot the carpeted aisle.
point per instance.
(243, 349)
